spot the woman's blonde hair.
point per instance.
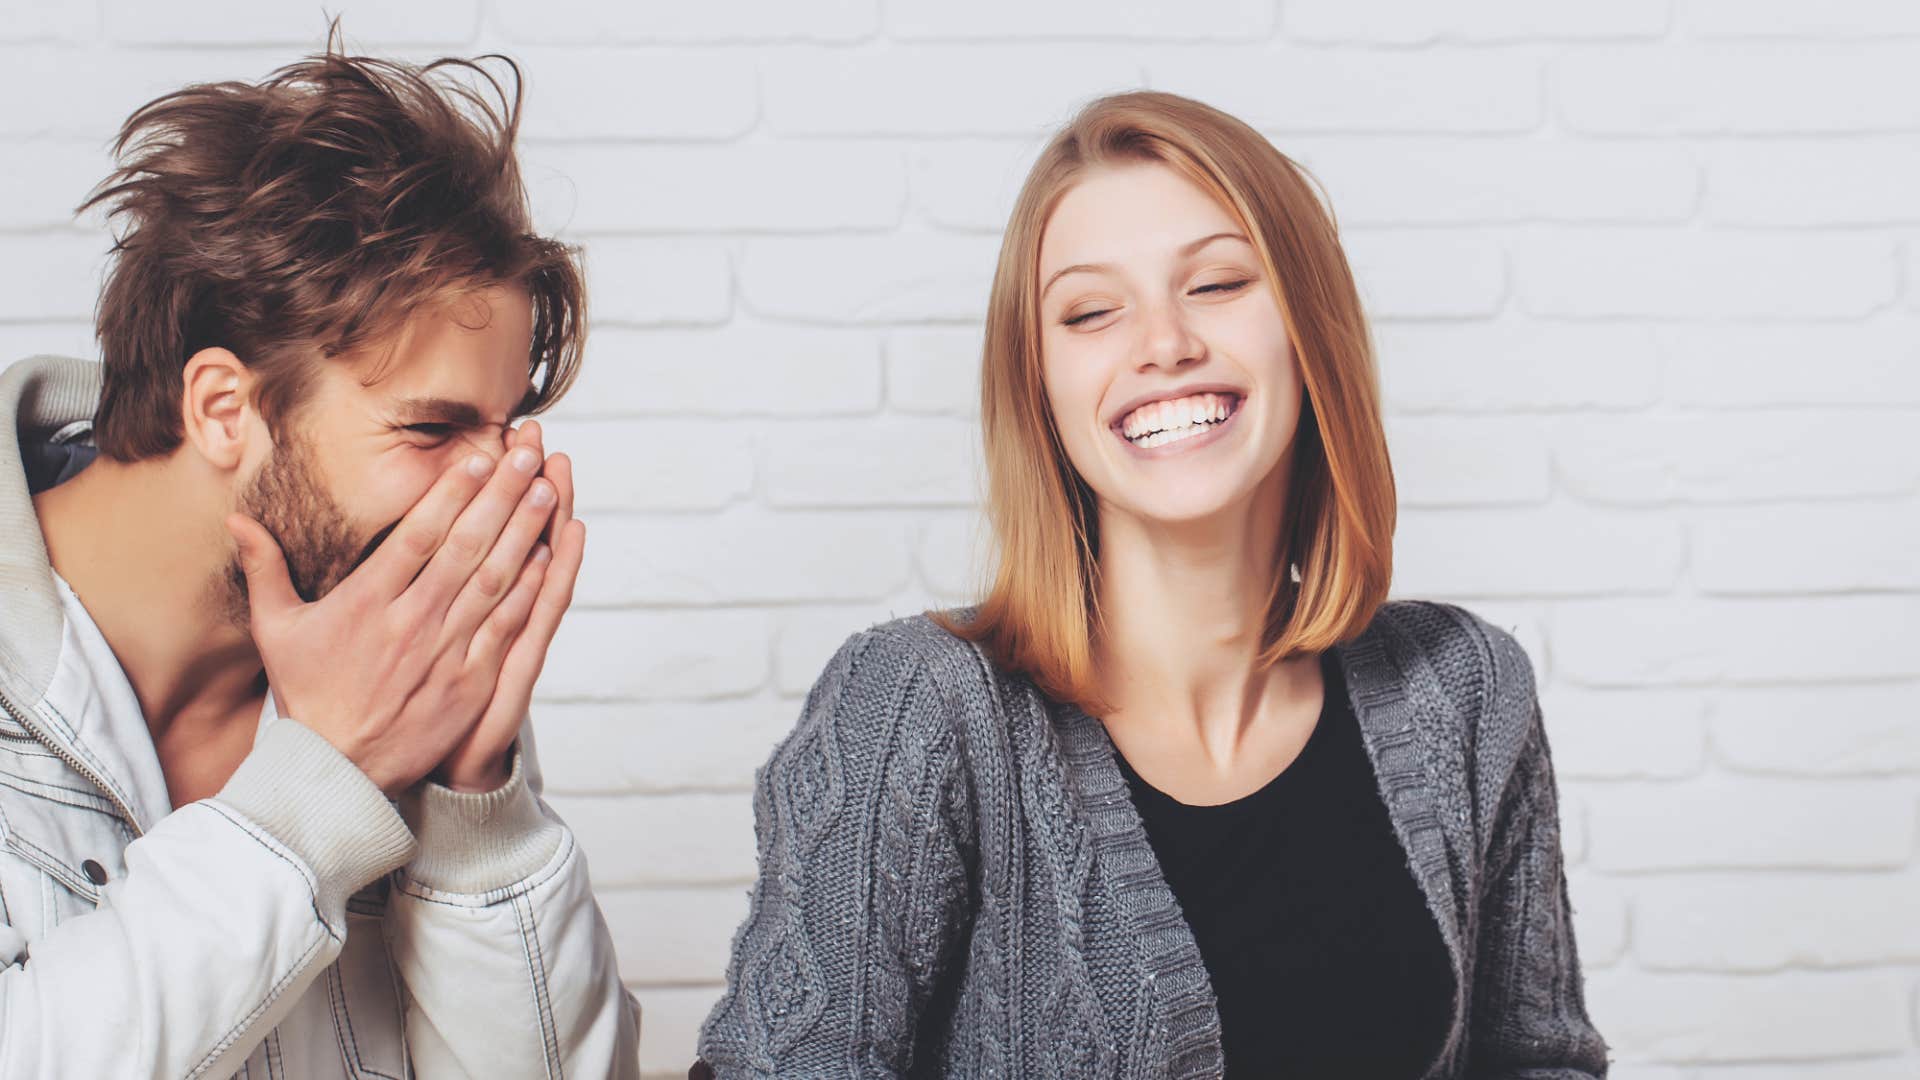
(1041, 613)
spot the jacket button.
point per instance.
(94, 871)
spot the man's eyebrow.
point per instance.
(1186, 250)
(438, 410)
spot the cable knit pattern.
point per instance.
(954, 882)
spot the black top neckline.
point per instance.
(1265, 793)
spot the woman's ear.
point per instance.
(217, 408)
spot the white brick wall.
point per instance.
(1645, 278)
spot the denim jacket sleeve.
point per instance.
(227, 910)
(507, 962)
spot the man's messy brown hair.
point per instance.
(310, 216)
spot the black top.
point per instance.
(1317, 939)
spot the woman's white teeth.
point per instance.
(1161, 422)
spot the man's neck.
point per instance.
(142, 546)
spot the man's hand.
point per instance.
(396, 665)
(479, 763)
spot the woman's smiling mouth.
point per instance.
(1177, 421)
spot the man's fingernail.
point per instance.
(542, 495)
(525, 460)
(478, 465)
(541, 552)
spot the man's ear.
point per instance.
(217, 408)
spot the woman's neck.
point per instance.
(1184, 617)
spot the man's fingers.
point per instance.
(394, 564)
(474, 533)
(269, 587)
(559, 469)
(529, 653)
(504, 623)
(487, 587)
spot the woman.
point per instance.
(1183, 795)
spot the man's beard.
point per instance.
(288, 496)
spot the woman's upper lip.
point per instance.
(1171, 394)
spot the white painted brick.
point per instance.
(937, 89)
(616, 748)
(748, 556)
(687, 465)
(739, 370)
(1759, 88)
(1442, 462)
(954, 555)
(1791, 19)
(934, 371)
(1793, 1016)
(1409, 180)
(1874, 363)
(1224, 20)
(925, 462)
(667, 936)
(1738, 457)
(1507, 365)
(970, 184)
(806, 638)
(1409, 22)
(1750, 823)
(99, 88)
(693, 839)
(1629, 642)
(21, 340)
(1562, 550)
(45, 180)
(657, 280)
(671, 1028)
(1628, 734)
(1340, 90)
(1594, 273)
(655, 655)
(1778, 182)
(38, 20)
(1819, 731)
(60, 282)
(610, 93)
(290, 22)
(893, 279)
(1599, 919)
(1766, 923)
(595, 22)
(1885, 1068)
(1821, 547)
(1424, 274)
(781, 187)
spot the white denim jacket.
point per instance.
(297, 924)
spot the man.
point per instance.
(276, 579)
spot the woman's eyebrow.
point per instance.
(1185, 250)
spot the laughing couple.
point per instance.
(1184, 795)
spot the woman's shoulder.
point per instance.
(914, 647)
(1480, 667)
(910, 678)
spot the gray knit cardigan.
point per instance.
(953, 880)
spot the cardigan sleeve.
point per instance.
(864, 827)
(1529, 1010)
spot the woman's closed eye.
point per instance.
(1217, 287)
